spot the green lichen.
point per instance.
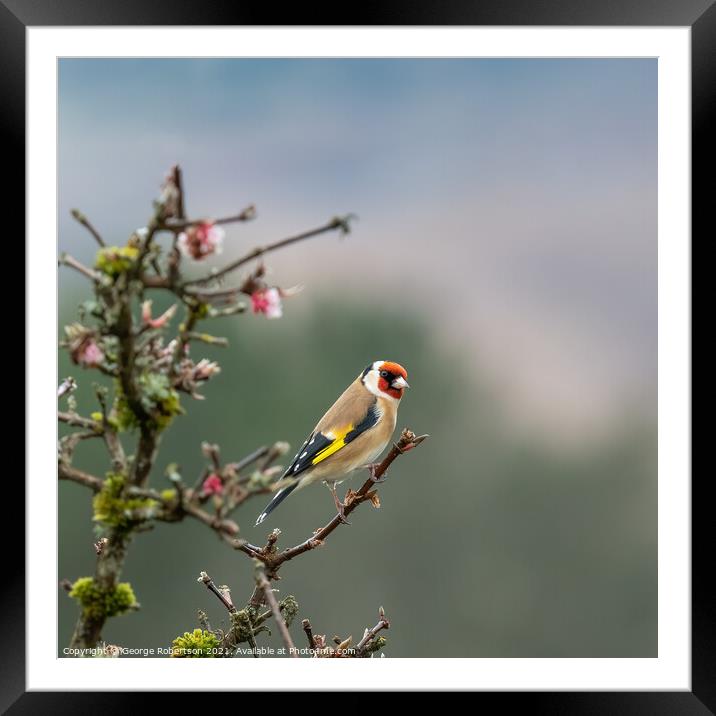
(169, 495)
(116, 260)
(199, 644)
(98, 603)
(376, 645)
(202, 310)
(158, 399)
(288, 608)
(113, 509)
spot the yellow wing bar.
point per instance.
(338, 442)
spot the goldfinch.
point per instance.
(352, 434)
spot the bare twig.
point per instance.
(407, 441)
(341, 223)
(208, 339)
(78, 421)
(250, 458)
(82, 219)
(246, 214)
(211, 451)
(370, 634)
(67, 260)
(208, 582)
(309, 634)
(263, 583)
(223, 527)
(67, 472)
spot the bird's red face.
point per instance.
(392, 379)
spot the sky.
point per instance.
(513, 202)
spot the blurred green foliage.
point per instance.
(488, 543)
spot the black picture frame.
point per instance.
(699, 15)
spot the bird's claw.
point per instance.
(340, 508)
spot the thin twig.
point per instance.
(225, 527)
(72, 262)
(336, 223)
(82, 219)
(263, 583)
(246, 214)
(208, 582)
(78, 421)
(309, 634)
(67, 472)
(250, 458)
(370, 634)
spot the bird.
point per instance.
(351, 435)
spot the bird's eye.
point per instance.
(383, 373)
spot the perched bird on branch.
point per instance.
(351, 435)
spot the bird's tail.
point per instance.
(278, 498)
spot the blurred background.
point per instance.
(505, 252)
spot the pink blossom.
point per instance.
(205, 368)
(212, 485)
(268, 302)
(201, 240)
(160, 321)
(88, 354)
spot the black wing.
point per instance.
(319, 446)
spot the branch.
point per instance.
(263, 583)
(78, 421)
(222, 527)
(408, 440)
(341, 223)
(220, 595)
(246, 214)
(67, 260)
(82, 219)
(309, 634)
(250, 458)
(67, 472)
(370, 634)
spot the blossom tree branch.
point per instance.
(273, 559)
(152, 368)
(341, 223)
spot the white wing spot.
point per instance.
(303, 454)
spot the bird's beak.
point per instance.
(399, 383)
